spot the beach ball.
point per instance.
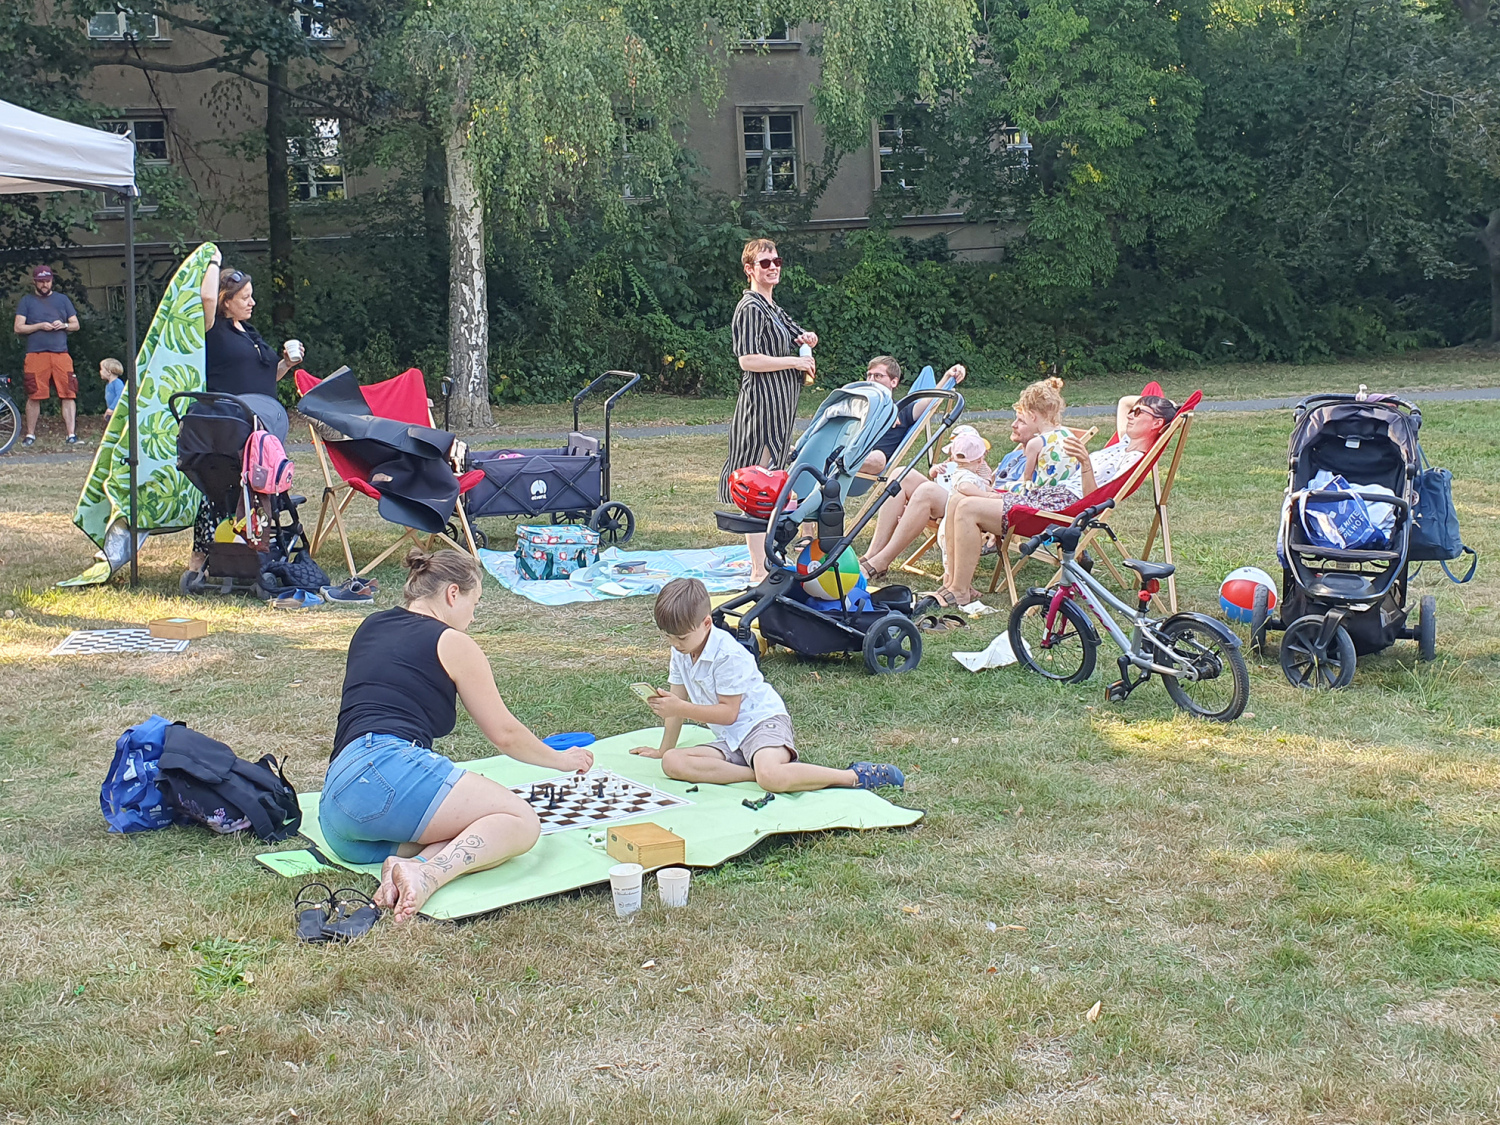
(1237, 594)
(845, 573)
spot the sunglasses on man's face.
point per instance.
(769, 263)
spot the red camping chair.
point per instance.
(1024, 522)
(401, 399)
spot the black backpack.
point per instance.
(204, 782)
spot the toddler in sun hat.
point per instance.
(966, 451)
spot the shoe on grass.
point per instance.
(347, 594)
(29, 439)
(71, 439)
(874, 775)
(296, 599)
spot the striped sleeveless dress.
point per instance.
(761, 430)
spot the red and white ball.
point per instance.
(1237, 594)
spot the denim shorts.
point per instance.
(382, 791)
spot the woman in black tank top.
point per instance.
(389, 796)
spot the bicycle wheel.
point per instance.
(1223, 685)
(10, 423)
(1064, 653)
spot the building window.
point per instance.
(150, 136)
(150, 151)
(768, 31)
(316, 166)
(901, 159)
(770, 151)
(635, 135)
(121, 23)
(1018, 144)
(309, 22)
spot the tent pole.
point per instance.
(131, 374)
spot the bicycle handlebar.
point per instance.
(1082, 520)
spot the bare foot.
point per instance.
(413, 886)
(385, 894)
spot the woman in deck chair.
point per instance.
(1140, 421)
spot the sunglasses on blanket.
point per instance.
(768, 263)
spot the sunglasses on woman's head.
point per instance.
(767, 263)
(236, 276)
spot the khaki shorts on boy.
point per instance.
(775, 731)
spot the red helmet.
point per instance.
(755, 490)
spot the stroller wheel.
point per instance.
(191, 583)
(1427, 628)
(1307, 663)
(1260, 613)
(456, 533)
(614, 522)
(893, 644)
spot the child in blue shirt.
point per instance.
(112, 371)
(715, 682)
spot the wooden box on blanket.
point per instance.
(648, 844)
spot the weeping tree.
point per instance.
(534, 101)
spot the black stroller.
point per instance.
(265, 529)
(825, 460)
(566, 485)
(1340, 604)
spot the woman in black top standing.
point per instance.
(389, 796)
(767, 342)
(237, 361)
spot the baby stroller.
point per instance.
(571, 483)
(1338, 604)
(265, 529)
(876, 623)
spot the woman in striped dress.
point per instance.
(766, 340)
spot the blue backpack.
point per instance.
(130, 797)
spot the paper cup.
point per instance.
(673, 882)
(294, 350)
(625, 882)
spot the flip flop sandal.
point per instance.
(311, 910)
(929, 623)
(877, 575)
(353, 914)
(951, 621)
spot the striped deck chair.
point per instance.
(403, 399)
(1025, 522)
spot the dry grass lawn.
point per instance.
(1295, 918)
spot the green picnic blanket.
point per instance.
(170, 361)
(716, 826)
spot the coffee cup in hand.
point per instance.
(294, 350)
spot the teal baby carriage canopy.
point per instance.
(847, 426)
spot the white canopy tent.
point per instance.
(40, 153)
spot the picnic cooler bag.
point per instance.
(548, 552)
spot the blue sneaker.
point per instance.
(348, 595)
(873, 775)
(296, 599)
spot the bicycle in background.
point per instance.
(10, 417)
(1051, 633)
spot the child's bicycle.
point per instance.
(1197, 657)
(10, 418)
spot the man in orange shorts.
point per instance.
(43, 321)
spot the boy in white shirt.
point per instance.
(715, 682)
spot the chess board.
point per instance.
(90, 642)
(578, 807)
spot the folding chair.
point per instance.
(868, 484)
(402, 399)
(1024, 522)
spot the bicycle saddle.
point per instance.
(1150, 570)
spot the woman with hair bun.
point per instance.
(389, 796)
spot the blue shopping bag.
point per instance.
(129, 797)
(1341, 524)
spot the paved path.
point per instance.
(1236, 406)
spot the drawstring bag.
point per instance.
(130, 797)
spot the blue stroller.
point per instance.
(876, 624)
